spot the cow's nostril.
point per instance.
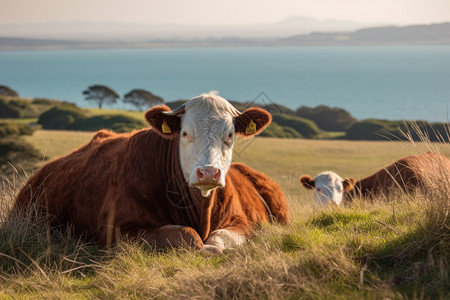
(208, 175)
(217, 174)
(200, 174)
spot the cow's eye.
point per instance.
(186, 135)
(229, 140)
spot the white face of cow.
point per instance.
(328, 186)
(207, 126)
(206, 142)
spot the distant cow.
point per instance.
(171, 184)
(423, 171)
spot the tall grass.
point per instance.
(397, 250)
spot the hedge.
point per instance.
(373, 129)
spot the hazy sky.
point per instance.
(223, 12)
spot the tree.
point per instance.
(101, 94)
(142, 98)
(7, 91)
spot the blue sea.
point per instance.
(369, 82)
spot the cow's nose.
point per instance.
(208, 175)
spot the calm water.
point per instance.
(370, 82)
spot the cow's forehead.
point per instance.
(211, 105)
(328, 177)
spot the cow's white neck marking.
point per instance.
(206, 193)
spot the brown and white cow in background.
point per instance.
(424, 171)
(328, 187)
(171, 184)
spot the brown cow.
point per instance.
(172, 184)
(424, 171)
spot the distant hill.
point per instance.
(391, 35)
(7, 43)
(434, 34)
(136, 32)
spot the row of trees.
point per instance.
(102, 94)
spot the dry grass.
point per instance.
(374, 250)
(55, 143)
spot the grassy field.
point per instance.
(139, 115)
(54, 143)
(285, 160)
(377, 250)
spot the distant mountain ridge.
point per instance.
(136, 32)
(434, 34)
(388, 35)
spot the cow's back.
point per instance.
(416, 171)
(70, 188)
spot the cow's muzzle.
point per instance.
(207, 178)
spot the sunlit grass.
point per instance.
(397, 250)
(56, 143)
(139, 115)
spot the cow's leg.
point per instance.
(170, 236)
(222, 239)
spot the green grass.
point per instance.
(55, 143)
(134, 114)
(377, 250)
(22, 120)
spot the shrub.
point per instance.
(44, 101)
(21, 104)
(305, 128)
(327, 118)
(9, 111)
(15, 151)
(14, 129)
(61, 117)
(278, 131)
(367, 130)
(117, 123)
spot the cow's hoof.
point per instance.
(210, 249)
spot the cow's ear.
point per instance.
(252, 121)
(165, 125)
(307, 181)
(348, 184)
